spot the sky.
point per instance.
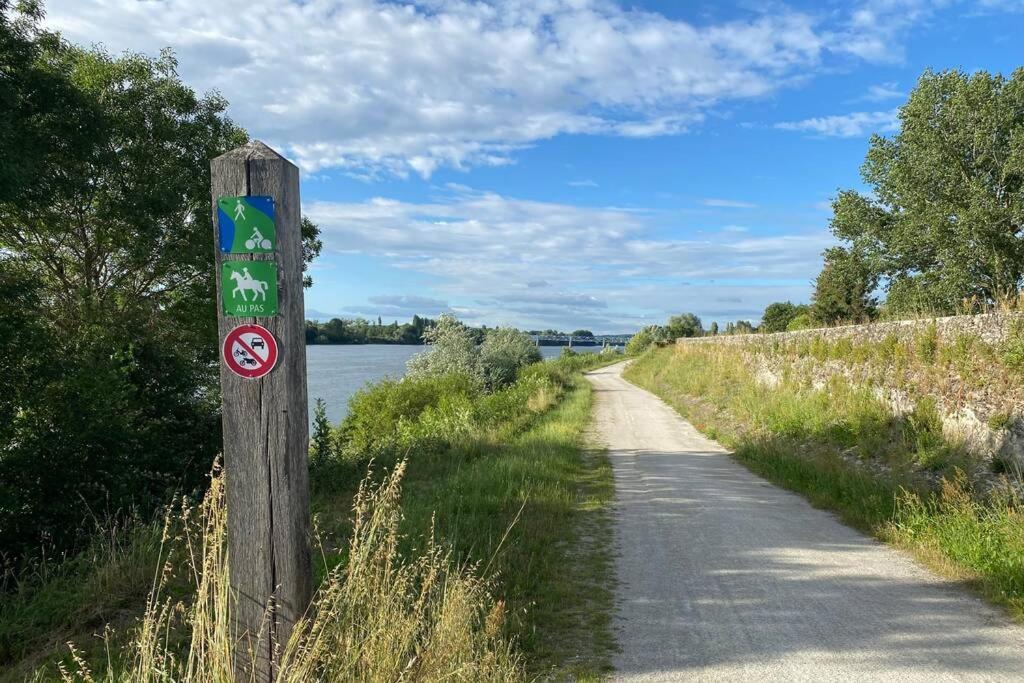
(562, 163)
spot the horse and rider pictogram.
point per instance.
(249, 288)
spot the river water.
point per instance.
(334, 373)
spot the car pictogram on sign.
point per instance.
(250, 351)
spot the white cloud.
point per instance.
(856, 124)
(582, 183)
(884, 91)
(728, 203)
(531, 263)
(378, 87)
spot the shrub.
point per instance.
(1013, 347)
(928, 344)
(505, 350)
(321, 441)
(453, 351)
(778, 316)
(801, 321)
(643, 339)
(381, 417)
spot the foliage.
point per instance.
(385, 418)
(321, 443)
(843, 289)
(107, 234)
(944, 220)
(93, 426)
(453, 351)
(643, 339)
(362, 331)
(713, 330)
(505, 350)
(800, 322)
(685, 325)
(1013, 347)
(41, 113)
(740, 327)
(779, 315)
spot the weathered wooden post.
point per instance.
(263, 384)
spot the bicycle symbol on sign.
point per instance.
(257, 239)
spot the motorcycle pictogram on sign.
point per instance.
(250, 351)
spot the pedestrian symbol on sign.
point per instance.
(250, 351)
(246, 225)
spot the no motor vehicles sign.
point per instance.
(250, 351)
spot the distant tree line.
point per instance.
(362, 331)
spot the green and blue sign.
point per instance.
(246, 225)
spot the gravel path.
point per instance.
(723, 576)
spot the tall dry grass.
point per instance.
(379, 616)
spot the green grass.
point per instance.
(844, 451)
(515, 492)
(535, 512)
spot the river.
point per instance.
(334, 373)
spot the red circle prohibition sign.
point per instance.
(250, 351)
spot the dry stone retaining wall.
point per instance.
(981, 403)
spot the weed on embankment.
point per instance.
(842, 448)
(493, 564)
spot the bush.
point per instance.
(453, 351)
(778, 316)
(643, 339)
(800, 322)
(383, 418)
(93, 428)
(503, 353)
(491, 366)
(1013, 351)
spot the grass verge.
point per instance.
(513, 498)
(896, 478)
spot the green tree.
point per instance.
(777, 316)
(644, 338)
(112, 237)
(582, 333)
(41, 113)
(945, 221)
(685, 325)
(503, 353)
(744, 327)
(843, 289)
(320, 442)
(713, 330)
(453, 350)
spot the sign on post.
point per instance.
(250, 351)
(258, 253)
(246, 225)
(249, 288)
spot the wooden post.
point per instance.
(266, 431)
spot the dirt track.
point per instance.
(723, 576)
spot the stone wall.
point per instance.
(980, 399)
(991, 328)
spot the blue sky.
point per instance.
(563, 163)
